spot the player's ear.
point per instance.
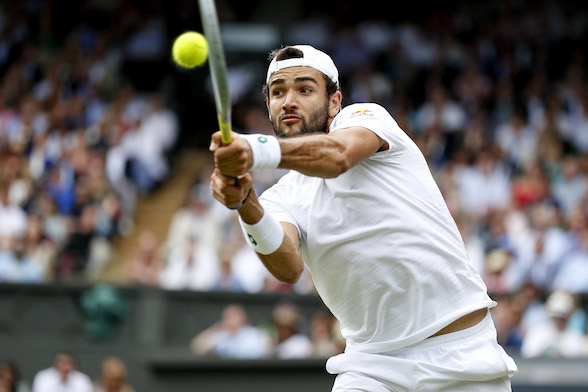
(268, 108)
(335, 103)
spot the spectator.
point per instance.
(573, 273)
(232, 337)
(555, 337)
(41, 250)
(192, 220)
(16, 266)
(518, 141)
(440, 113)
(10, 378)
(228, 280)
(195, 266)
(147, 262)
(13, 219)
(484, 186)
(290, 342)
(322, 327)
(514, 315)
(544, 249)
(113, 377)
(569, 189)
(62, 376)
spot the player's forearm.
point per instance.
(315, 155)
(285, 263)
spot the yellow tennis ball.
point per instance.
(190, 49)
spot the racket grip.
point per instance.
(225, 128)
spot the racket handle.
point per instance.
(225, 128)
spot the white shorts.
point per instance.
(465, 361)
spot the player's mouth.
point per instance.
(289, 118)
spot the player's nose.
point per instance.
(290, 101)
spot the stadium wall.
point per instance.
(150, 330)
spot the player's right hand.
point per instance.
(234, 159)
(229, 192)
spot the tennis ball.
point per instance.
(190, 49)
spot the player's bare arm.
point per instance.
(329, 155)
(286, 262)
(319, 155)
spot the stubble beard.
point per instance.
(318, 122)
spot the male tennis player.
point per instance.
(361, 209)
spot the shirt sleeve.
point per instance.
(272, 201)
(375, 118)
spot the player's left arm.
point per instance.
(318, 155)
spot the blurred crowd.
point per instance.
(495, 94)
(78, 139)
(64, 374)
(285, 335)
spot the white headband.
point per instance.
(312, 57)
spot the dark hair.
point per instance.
(290, 52)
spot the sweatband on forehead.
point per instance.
(311, 58)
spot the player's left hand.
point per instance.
(234, 159)
(229, 192)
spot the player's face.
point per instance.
(298, 102)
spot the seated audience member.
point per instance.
(63, 376)
(113, 377)
(194, 266)
(290, 342)
(145, 266)
(556, 337)
(10, 379)
(232, 337)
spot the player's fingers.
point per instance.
(234, 159)
(229, 199)
(245, 182)
(230, 191)
(221, 182)
(215, 141)
(227, 180)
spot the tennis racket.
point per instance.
(218, 67)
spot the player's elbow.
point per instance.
(338, 162)
(292, 278)
(290, 275)
(341, 165)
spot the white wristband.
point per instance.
(265, 236)
(265, 149)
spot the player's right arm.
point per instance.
(285, 263)
(316, 155)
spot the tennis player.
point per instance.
(361, 209)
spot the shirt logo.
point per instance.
(362, 113)
(262, 139)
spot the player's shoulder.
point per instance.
(361, 112)
(365, 110)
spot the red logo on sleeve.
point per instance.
(362, 113)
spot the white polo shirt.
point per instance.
(385, 254)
